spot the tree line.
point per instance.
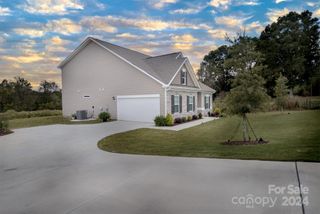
(287, 48)
(17, 94)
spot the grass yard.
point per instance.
(41, 121)
(292, 136)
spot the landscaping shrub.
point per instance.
(194, 117)
(160, 121)
(189, 118)
(4, 126)
(184, 119)
(169, 120)
(12, 114)
(200, 115)
(104, 116)
(216, 112)
(178, 120)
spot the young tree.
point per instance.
(281, 91)
(247, 95)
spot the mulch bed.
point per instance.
(252, 142)
(2, 133)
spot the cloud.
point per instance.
(56, 44)
(183, 42)
(274, 14)
(57, 7)
(256, 26)
(29, 32)
(98, 23)
(26, 58)
(311, 4)
(63, 26)
(148, 24)
(218, 33)
(317, 12)
(230, 21)
(249, 3)
(279, 1)
(127, 36)
(191, 10)
(5, 11)
(223, 4)
(159, 4)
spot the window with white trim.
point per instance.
(190, 104)
(183, 76)
(176, 104)
(207, 101)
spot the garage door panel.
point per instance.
(138, 108)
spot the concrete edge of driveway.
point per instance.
(185, 125)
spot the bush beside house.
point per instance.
(169, 120)
(104, 116)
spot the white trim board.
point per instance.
(138, 96)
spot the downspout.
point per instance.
(165, 100)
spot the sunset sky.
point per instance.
(35, 35)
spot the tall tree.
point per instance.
(48, 87)
(291, 47)
(23, 95)
(213, 71)
(243, 55)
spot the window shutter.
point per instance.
(180, 99)
(209, 105)
(194, 102)
(186, 78)
(205, 102)
(181, 76)
(187, 103)
(172, 104)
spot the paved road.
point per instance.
(59, 169)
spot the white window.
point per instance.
(183, 76)
(190, 103)
(176, 104)
(207, 102)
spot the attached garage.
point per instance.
(142, 108)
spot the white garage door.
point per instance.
(142, 108)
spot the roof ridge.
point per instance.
(163, 55)
(99, 40)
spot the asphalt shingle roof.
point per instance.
(162, 67)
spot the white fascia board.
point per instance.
(133, 65)
(193, 75)
(174, 76)
(181, 88)
(138, 96)
(75, 52)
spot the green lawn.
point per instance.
(294, 136)
(41, 121)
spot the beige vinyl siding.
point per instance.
(177, 79)
(97, 73)
(184, 95)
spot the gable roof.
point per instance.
(161, 68)
(204, 87)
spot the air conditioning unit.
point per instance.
(82, 114)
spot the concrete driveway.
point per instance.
(59, 169)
